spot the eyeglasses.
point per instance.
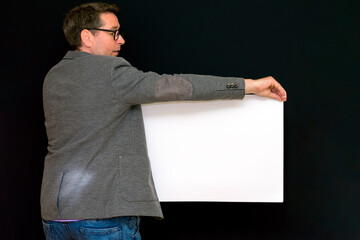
(116, 33)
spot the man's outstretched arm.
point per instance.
(266, 87)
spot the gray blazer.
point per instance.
(97, 164)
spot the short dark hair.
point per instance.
(84, 16)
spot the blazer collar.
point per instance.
(75, 54)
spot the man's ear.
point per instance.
(86, 38)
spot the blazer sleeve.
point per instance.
(133, 86)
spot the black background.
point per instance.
(310, 47)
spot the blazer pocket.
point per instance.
(136, 180)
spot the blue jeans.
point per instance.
(119, 228)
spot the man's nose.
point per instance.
(121, 40)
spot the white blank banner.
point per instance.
(226, 151)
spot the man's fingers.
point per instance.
(279, 90)
(275, 96)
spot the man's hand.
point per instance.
(266, 87)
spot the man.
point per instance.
(97, 179)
